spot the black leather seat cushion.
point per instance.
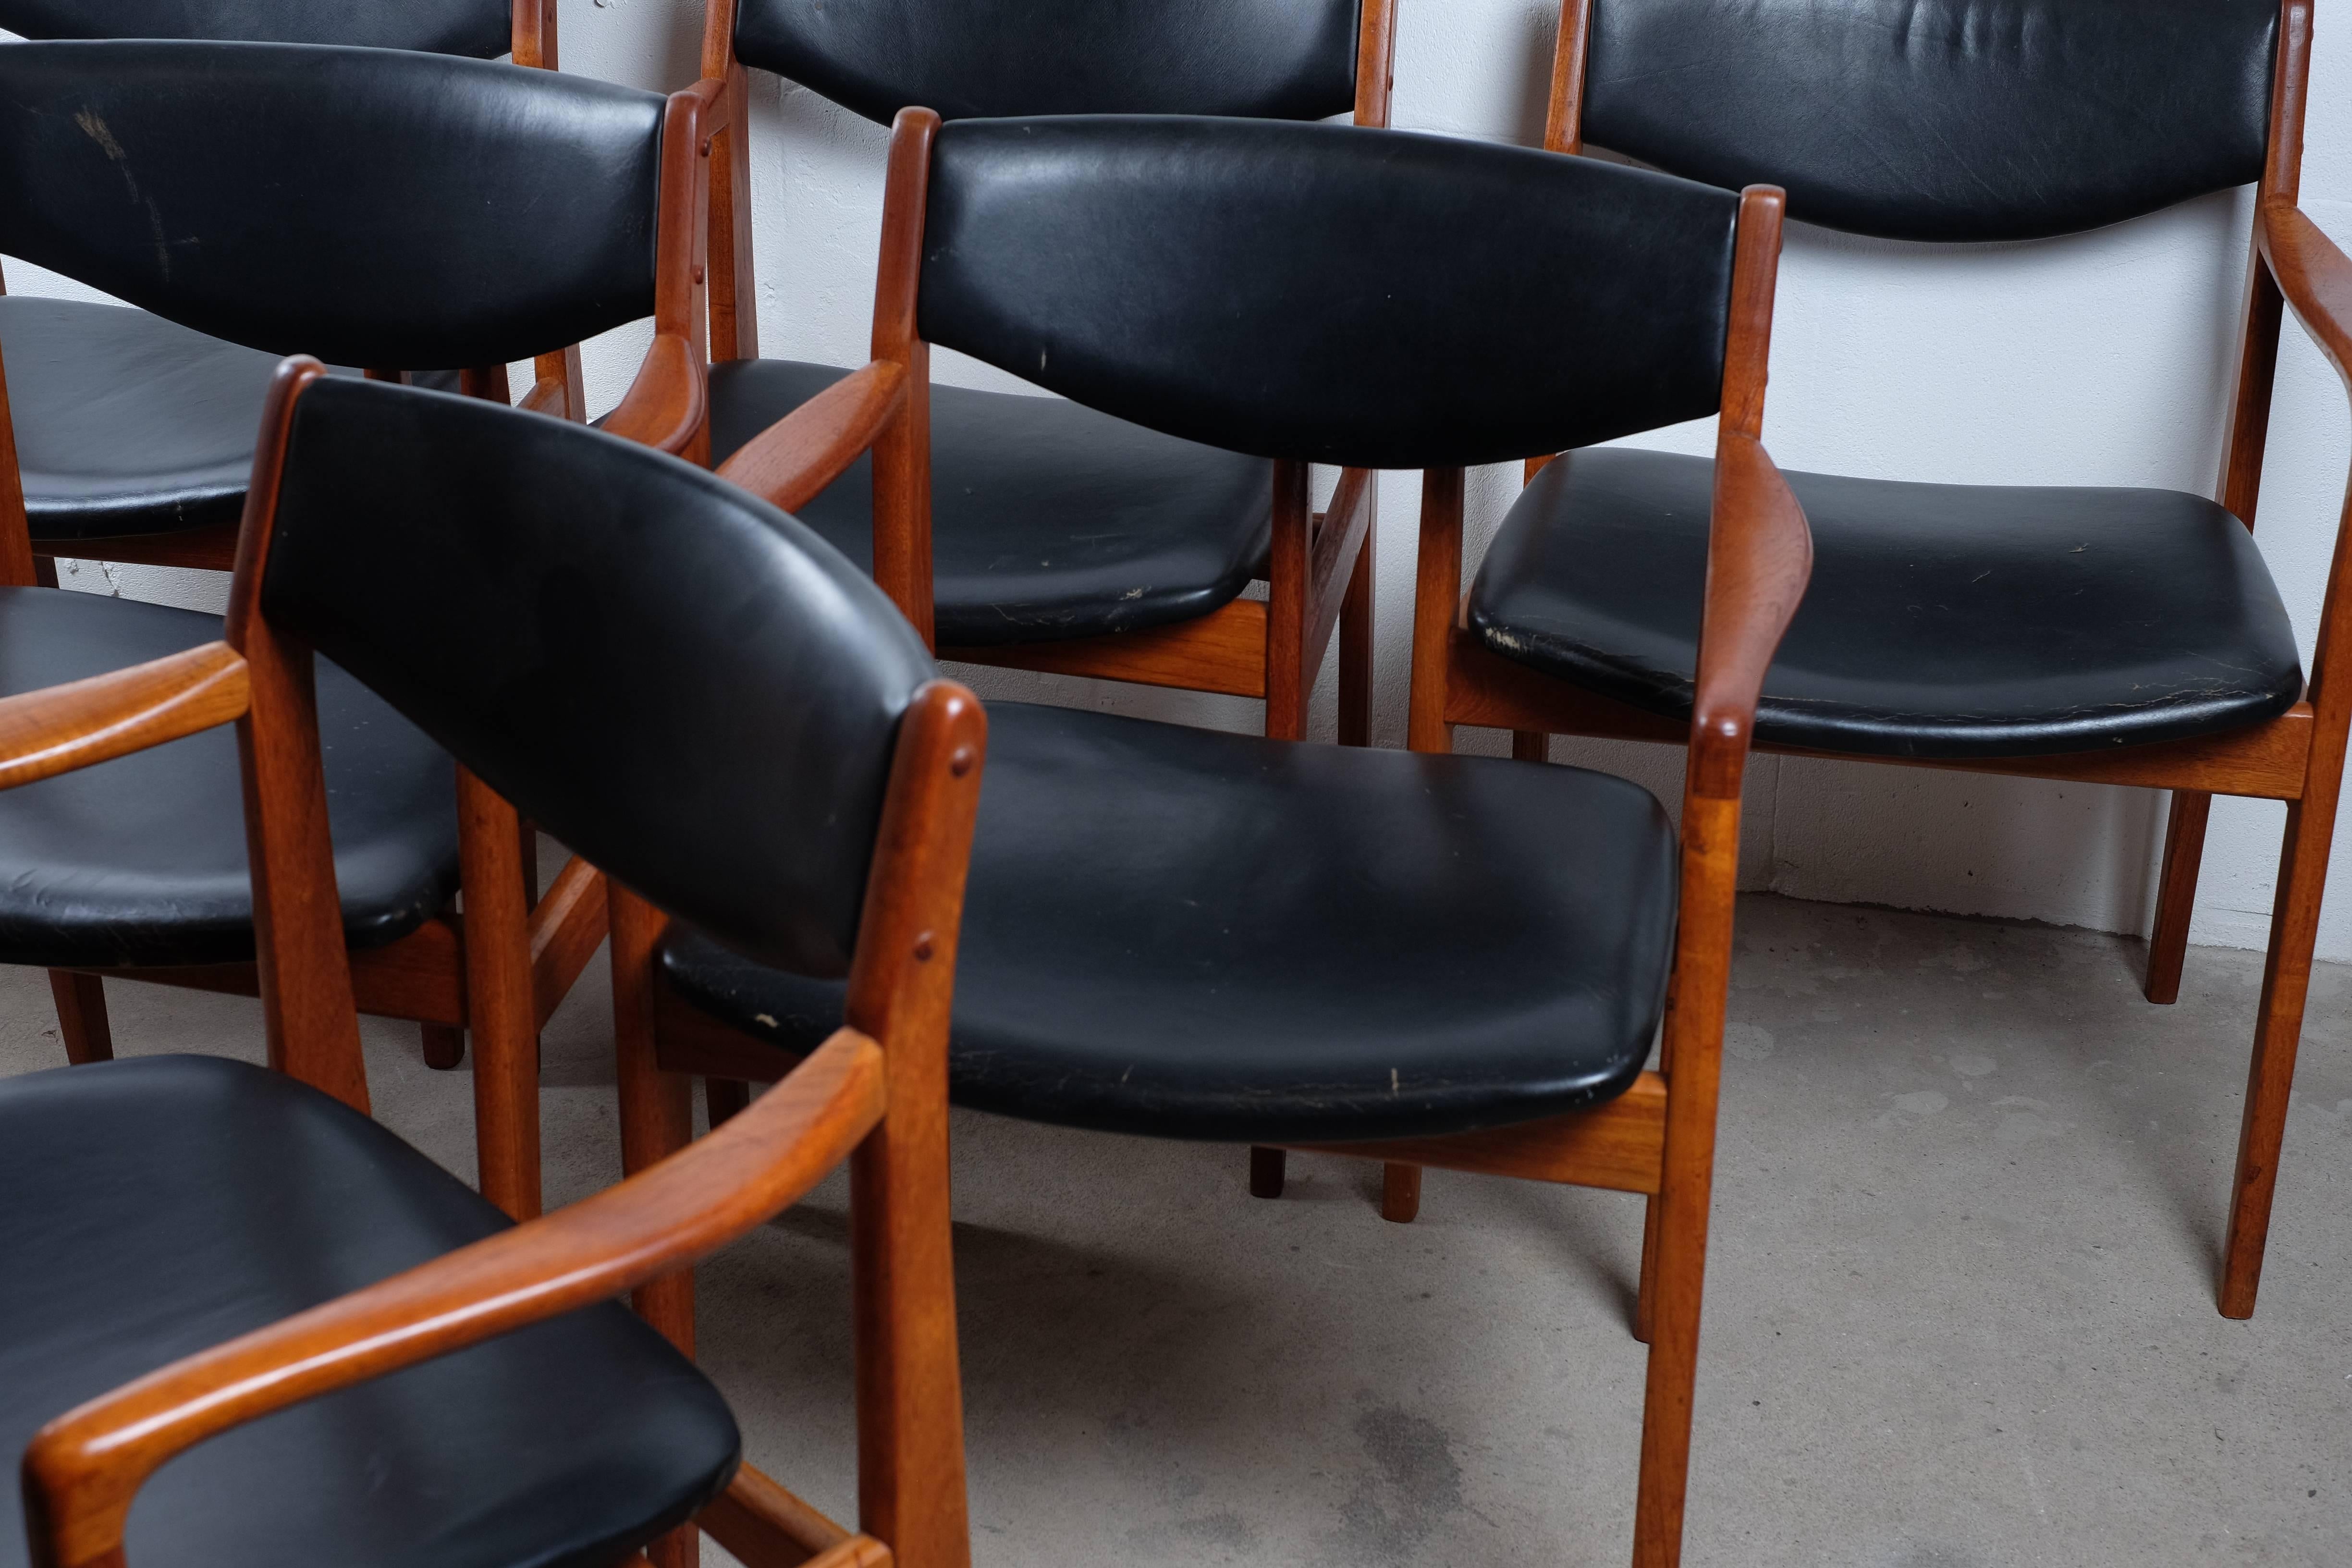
(127, 423)
(141, 860)
(151, 1208)
(1179, 932)
(1942, 620)
(1048, 519)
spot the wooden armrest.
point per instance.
(1760, 555)
(83, 1468)
(717, 106)
(2313, 276)
(61, 728)
(790, 463)
(665, 403)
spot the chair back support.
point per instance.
(482, 28)
(1328, 293)
(1280, 59)
(370, 206)
(677, 680)
(1941, 119)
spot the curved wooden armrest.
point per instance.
(83, 1468)
(61, 728)
(665, 403)
(1760, 555)
(790, 463)
(2315, 277)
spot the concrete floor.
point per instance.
(1959, 1311)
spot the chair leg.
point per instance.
(445, 1046)
(1356, 652)
(2278, 1031)
(1531, 746)
(1268, 1167)
(1675, 1288)
(724, 1097)
(81, 1017)
(1645, 1303)
(1400, 1192)
(501, 1001)
(2175, 892)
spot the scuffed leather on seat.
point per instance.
(1277, 59)
(1951, 120)
(1048, 519)
(141, 860)
(158, 1207)
(1941, 620)
(1188, 934)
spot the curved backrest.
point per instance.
(1282, 60)
(370, 206)
(1328, 293)
(676, 680)
(1951, 120)
(482, 28)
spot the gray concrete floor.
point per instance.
(1960, 1311)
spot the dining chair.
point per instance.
(345, 1355)
(1059, 538)
(2109, 635)
(134, 433)
(1177, 932)
(399, 210)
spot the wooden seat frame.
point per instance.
(1658, 1137)
(875, 1095)
(500, 969)
(2297, 758)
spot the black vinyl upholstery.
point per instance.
(482, 28)
(1325, 293)
(1941, 119)
(1182, 933)
(1278, 59)
(1048, 519)
(127, 423)
(155, 1207)
(141, 860)
(678, 681)
(370, 206)
(1941, 620)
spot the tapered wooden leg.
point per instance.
(724, 1097)
(501, 1001)
(81, 1017)
(2278, 1031)
(1680, 1253)
(1531, 746)
(2175, 892)
(1267, 1168)
(1356, 652)
(1645, 1303)
(1400, 1192)
(656, 1120)
(445, 1046)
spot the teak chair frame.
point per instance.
(1658, 1137)
(1320, 566)
(874, 1094)
(500, 969)
(2297, 758)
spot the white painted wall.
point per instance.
(2100, 359)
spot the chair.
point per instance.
(2127, 636)
(196, 1245)
(134, 433)
(1062, 539)
(1176, 932)
(519, 211)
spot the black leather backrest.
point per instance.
(1283, 59)
(483, 28)
(370, 206)
(1951, 120)
(1325, 293)
(676, 680)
